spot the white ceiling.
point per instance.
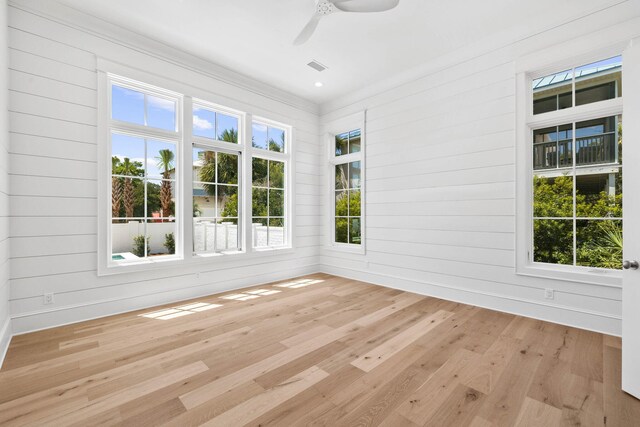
(254, 37)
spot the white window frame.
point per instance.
(143, 131)
(184, 258)
(287, 158)
(526, 123)
(222, 147)
(347, 124)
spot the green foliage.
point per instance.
(227, 165)
(153, 198)
(231, 209)
(165, 162)
(129, 168)
(130, 187)
(342, 230)
(170, 243)
(553, 197)
(229, 135)
(348, 204)
(598, 242)
(601, 244)
(268, 184)
(138, 246)
(553, 241)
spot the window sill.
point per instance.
(345, 247)
(195, 260)
(585, 275)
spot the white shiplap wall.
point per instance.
(441, 174)
(53, 169)
(5, 320)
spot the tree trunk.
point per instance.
(116, 197)
(165, 196)
(128, 197)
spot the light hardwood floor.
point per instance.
(318, 350)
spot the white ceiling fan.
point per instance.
(327, 7)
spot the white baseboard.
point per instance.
(5, 339)
(569, 316)
(60, 316)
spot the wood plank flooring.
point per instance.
(316, 350)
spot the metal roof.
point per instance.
(607, 65)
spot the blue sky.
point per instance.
(263, 133)
(127, 146)
(205, 122)
(128, 105)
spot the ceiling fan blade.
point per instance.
(365, 5)
(308, 29)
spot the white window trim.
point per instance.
(289, 173)
(145, 132)
(184, 258)
(356, 121)
(223, 147)
(526, 122)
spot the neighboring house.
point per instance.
(203, 203)
(597, 142)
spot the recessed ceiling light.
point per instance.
(319, 84)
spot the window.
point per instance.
(347, 171)
(217, 181)
(575, 164)
(268, 137)
(269, 170)
(215, 201)
(189, 180)
(214, 125)
(590, 83)
(144, 143)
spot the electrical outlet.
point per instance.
(48, 298)
(548, 293)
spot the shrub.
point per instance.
(170, 243)
(138, 246)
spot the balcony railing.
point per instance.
(590, 150)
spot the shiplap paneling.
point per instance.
(440, 182)
(53, 157)
(5, 318)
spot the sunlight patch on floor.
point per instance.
(299, 283)
(240, 297)
(179, 311)
(263, 292)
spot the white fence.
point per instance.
(208, 236)
(122, 235)
(274, 236)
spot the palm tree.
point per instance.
(116, 188)
(165, 163)
(207, 172)
(227, 164)
(229, 135)
(128, 168)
